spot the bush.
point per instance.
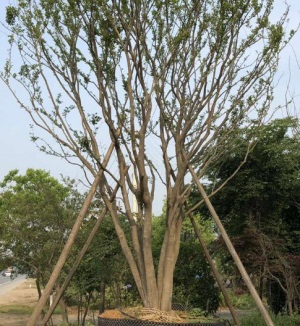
(255, 319)
(197, 312)
(240, 301)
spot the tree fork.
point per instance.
(232, 251)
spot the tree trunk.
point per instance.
(38, 286)
(118, 294)
(150, 277)
(290, 294)
(79, 309)
(290, 305)
(102, 298)
(167, 261)
(64, 311)
(261, 287)
(86, 307)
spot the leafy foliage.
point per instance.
(36, 214)
(261, 208)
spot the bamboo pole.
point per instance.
(232, 251)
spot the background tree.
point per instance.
(36, 214)
(261, 210)
(180, 75)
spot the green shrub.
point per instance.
(197, 312)
(240, 301)
(255, 319)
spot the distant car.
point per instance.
(6, 273)
(10, 271)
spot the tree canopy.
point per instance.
(260, 208)
(36, 214)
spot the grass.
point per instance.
(197, 315)
(255, 319)
(21, 310)
(16, 309)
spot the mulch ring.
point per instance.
(142, 313)
(151, 315)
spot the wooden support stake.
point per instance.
(64, 254)
(215, 272)
(232, 251)
(68, 246)
(66, 282)
(78, 261)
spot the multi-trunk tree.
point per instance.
(164, 84)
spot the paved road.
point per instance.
(225, 314)
(6, 284)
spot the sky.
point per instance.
(16, 149)
(18, 152)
